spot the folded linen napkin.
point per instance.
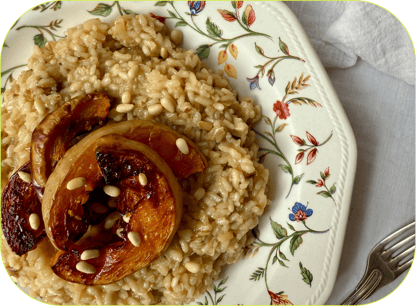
(342, 31)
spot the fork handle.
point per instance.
(363, 291)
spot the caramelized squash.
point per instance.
(58, 130)
(18, 203)
(149, 205)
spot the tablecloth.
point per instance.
(369, 58)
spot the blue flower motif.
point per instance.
(254, 82)
(196, 6)
(300, 212)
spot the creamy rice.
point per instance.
(140, 65)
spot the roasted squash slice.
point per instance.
(21, 213)
(147, 205)
(58, 130)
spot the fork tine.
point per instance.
(402, 268)
(401, 256)
(397, 233)
(387, 253)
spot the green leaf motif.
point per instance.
(101, 9)
(311, 182)
(325, 194)
(295, 242)
(213, 29)
(323, 176)
(57, 6)
(297, 179)
(5, 45)
(40, 40)
(283, 47)
(307, 276)
(161, 3)
(223, 281)
(332, 189)
(172, 14)
(206, 300)
(203, 51)
(282, 263)
(244, 18)
(128, 12)
(259, 49)
(281, 127)
(267, 120)
(181, 24)
(274, 259)
(285, 168)
(291, 227)
(278, 230)
(282, 256)
(220, 298)
(258, 274)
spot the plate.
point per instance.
(306, 140)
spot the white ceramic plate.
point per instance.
(310, 146)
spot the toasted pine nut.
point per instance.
(126, 97)
(126, 217)
(76, 183)
(112, 191)
(99, 208)
(90, 254)
(124, 108)
(85, 267)
(34, 221)
(163, 53)
(155, 109)
(182, 145)
(111, 220)
(134, 238)
(24, 176)
(192, 267)
(143, 179)
(118, 232)
(176, 36)
(199, 193)
(168, 104)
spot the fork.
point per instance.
(382, 267)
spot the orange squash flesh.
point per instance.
(155, 209)
(18, 202)
(57, 131)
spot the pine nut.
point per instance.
(199, 194)
(163, 53)
(155, 109)
(126, 97)
(126, 217)
(76, 183)
(34, 221)
(134, 238)
(182, 145)
(26, 177)
(133, 72)
(111, 220)
(176, 36)
(124, 108)
(168, 104)
(192, 267)
(207, 126)
(85, 267)
(90, 254)
(112, 191)
(118, 232)
(99, 208)
(143, 179)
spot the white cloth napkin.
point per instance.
(342, 31)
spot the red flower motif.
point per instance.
(279, 299)
(311, 138)
(249, 16)
(160, 18)
(320, 183)
(311, 156)
(281, 109)
(227, 15)
(326, 172)
(297, 140)
(299, 157)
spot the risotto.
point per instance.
(139, 63)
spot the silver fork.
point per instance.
(383, 264)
